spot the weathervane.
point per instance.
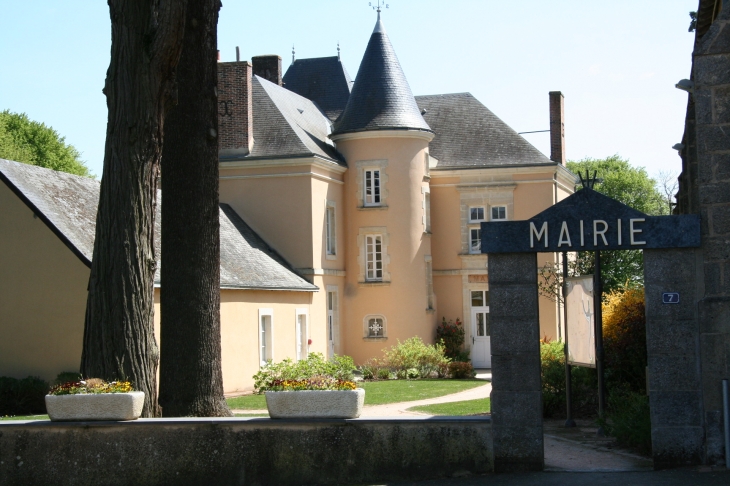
(338, 50)
(589, 181)
(377, 7)
(292, 53)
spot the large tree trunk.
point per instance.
(118, 336)
(191, 382)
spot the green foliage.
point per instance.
(66, 376)
(628, 419)
(460, 370)
(479, 406)
(633, 187)
(451, 334)
(91, 386)
(30, 142)
(22, 397)
(339, 368)
(583, 380)
(414, 354)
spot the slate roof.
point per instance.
(381, 98)
(469, 135)
(323, 80)
(68, 205)
(287, 125)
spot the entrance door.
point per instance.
(331, 323)
(481, 353)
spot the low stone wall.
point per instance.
(238, 451)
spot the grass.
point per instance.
(25, 417)
(380, 392)
(467, 407)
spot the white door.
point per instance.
(481, 353)
(331, 323)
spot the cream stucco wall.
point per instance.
(42, 295)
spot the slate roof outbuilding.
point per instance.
(381, 98)
(469, 135)
(323, 80)
(68, 205)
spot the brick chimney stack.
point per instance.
(557, 127)
(268, 67)
(235, 112)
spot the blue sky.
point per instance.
(616, 62)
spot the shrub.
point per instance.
(624, 339)
(451, 334)
(583, 380)
(460, 370)
(22, 397)
(628, 419)
(66, 376)
(414, 354)
(339, 368)
(384, 374)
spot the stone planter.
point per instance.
(95, 406)
(343, 404)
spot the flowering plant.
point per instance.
(91, 386)
(314, 383)
(452, 335)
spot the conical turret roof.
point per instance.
(381, 98)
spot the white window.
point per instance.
(499, 213)
(302, 335)
(475, 240)
(476, 214)
(372, 187)
(427, 211)
(373, 257)
(375, 326)
(266, 331)
(330, 237)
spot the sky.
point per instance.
(615, 62)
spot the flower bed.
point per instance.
(344, 404)
(94, 399)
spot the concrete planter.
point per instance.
(95, 406)
(343, 404)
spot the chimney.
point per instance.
(557, 128)
(235, 113)
(268, 67)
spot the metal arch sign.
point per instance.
(590, 221)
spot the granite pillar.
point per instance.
(516, 387)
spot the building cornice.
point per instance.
(282, 162)
(419, 134)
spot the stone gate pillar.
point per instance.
(516, 388)
(673, 348)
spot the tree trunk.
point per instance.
(191, 382)
(119, 342)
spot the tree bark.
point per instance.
(119, 342)
(191, 382)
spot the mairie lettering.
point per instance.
(602, 231)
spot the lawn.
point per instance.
(467, 407)
(25, 417)
(381, 392)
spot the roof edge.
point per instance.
(44, 218)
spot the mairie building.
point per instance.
(349, 214)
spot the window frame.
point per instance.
(377, 257)
(266, 342)
(367, 330)
(301, 339)
(484, 213)
(472, 250)
(377, 199)
(330, 217)
(491, 213)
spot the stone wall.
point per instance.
(243, 451)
